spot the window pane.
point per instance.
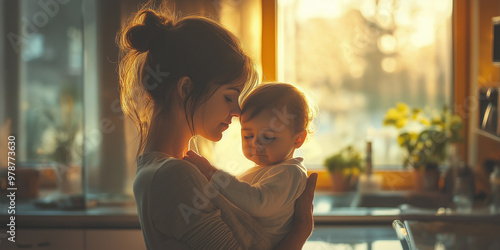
(50, 55)
(51, 82)
(358, 59)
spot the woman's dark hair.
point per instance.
(157, 50)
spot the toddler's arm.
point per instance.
(282, 185)
(279, 187)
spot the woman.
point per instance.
(180, 78)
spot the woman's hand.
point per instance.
(303, 214)
(303, 222)
(201, 163)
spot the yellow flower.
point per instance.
(415, 113)
(346, 172)
(391, 117)
(402, 140)
(425, 121)
(415, 158)
(436, 120)
(427, 144)
(414, 136)
(392, 113)
(402, 107)
(401, 122)
(355, 171)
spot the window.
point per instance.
(51, 82)
(64, 122)
(358, 59)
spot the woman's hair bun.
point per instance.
(140, 38)
(143, 37)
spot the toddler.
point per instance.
(276, 119)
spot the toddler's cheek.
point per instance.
(247, 151)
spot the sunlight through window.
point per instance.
(358, 59)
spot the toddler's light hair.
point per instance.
(281, 96)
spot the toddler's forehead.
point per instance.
(269, 120)
(252, 115)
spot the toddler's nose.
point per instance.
(258, 145)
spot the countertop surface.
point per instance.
(340, 224)
(29, 216)
(328, 210)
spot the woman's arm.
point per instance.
(303, 222)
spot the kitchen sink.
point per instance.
(381, 199)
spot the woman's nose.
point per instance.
(235, 110)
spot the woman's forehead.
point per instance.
(236, 88)
(238, 85)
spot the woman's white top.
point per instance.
(179, 209)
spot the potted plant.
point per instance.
(62, 141)
(424, 140)
(344, 168)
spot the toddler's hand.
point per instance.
(201, 163)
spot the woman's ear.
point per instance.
(300, 138)
(184, 86)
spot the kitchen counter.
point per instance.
(104, 225)
(102, 217)
(339, 224)
(328, 210)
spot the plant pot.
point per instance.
(27, 182)
(339, 182)
(426, 179)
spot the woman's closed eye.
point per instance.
(228, 99)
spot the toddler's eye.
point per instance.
(248, 137)
(269, 138)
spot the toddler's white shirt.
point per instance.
(267, 193)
